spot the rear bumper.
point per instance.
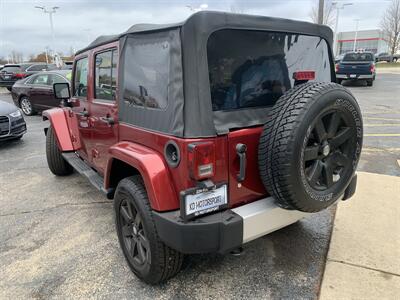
(346, 76)
(224, 231)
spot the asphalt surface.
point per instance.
(57, 235)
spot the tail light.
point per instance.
(202, 160)
(304, 75)
(337, 67)
(20, 75)
(372, 68)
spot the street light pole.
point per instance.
(321, 12)
(50, 12)
(356, 34)
(338, 8)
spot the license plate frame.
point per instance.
(197, 194)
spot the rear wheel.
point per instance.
(370, 82)
(339, 81)
(9, 89)
(26, 106)
(147, 256)
(310, 147)
(57, 164)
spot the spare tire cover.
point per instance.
(310, 146)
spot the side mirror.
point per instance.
(61, 91)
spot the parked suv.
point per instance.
(208, 133)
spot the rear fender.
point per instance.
(152, 168)
(58, 121)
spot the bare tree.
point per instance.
(237, 10)
(390, 25)
(329, 13)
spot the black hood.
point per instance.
(7, 108)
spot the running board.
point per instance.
(84, 169)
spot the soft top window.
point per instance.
(250, 68)
(358, 57)
(147, 74)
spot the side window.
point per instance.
(106, 75)
(80, 78)
(37, 68)
(41, 80)
(54, 78)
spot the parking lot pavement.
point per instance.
(57, 237)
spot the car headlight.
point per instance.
(16, 114)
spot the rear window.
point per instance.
(358, 57)
(254, 68)
(11, 69)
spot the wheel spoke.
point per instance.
(327, 174)
(133, 246)
(334, 124)
(137, 220)
(341, 137)
(141, 252)
(315, 172)
(341, 159)
(127, 230)
(125, 214)
(320, 130)
(311, 153)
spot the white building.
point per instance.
(367, 40)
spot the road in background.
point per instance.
(57, 236)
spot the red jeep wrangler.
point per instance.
(208, 133)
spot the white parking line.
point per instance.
(382, 134)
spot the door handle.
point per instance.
(109, 120)
(241, 152)
(84, 113)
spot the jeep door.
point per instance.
(78, 116)
(103, 111)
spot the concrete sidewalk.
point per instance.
(364, 255)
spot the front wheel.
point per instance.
(147, 256)
(57, 164)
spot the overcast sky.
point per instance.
(77, 22)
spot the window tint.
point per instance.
(146, 74)
(105, 75)
(80, 79)
(54, 78)
(254, 68)
(37, 68)
(358, 57)
(41, 79)
(11, 69)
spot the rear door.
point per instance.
(245, 83)
(103, 111)
(40, 91)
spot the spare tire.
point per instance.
(310, 146)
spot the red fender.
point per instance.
(151, 166)
(58, 121)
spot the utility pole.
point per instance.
(321, 12)
(355, 36)
(50, 12)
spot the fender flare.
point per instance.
(152, 168)
(58, 121)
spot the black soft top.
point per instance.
(211, 20)
(189, 112)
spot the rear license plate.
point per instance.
(196, 202)
(353, 75)
(6, 77)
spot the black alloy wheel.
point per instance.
(326, 156)
(134, 235)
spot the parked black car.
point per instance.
(14, 72)
(356, 66)
(35, 93)
(12, 123)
